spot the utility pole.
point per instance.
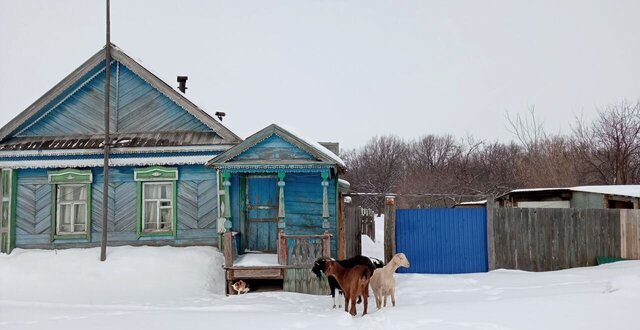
(107, 138)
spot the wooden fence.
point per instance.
(630, 234)
(538, 239)
(543, 239)
(352, 231)
(368, 223)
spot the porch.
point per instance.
(288, 270)
(278, 196)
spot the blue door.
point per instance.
(262, 213)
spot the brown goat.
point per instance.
(353, 281)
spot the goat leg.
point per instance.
(353, 307)
(346, 302)
(366, 303)
(393, 297)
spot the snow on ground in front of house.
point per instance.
(256, 259)
(179, 288)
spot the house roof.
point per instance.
(322, 154)
(34, 111)
(620, 190)
(121, 140)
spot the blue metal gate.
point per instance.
(443, 241)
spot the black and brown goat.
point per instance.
(320, 265)
(354, 283)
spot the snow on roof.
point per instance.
(322, 149)
(629, 190)
(482, 202)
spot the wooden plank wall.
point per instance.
(630, 234)
(352, 231)
(197, 209)
(302, 280)
(552, 239)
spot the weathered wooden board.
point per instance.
(352, 231)
(255, 273)
(302, 280)
(630, 232)
(550, 239)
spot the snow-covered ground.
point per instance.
(179, 288)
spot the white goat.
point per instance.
(382, 282)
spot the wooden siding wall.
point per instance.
(140, 108)
(552, 239)
(630, 234)
(303, 206)
(33, 222)
(197, 209)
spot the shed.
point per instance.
(592, 197)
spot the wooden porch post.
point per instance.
(228, 244)
(282, 241)
(325, 202)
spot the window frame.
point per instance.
(156, 175)
(71, 203)
(159, 207)
(70, 177)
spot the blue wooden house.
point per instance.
(161, 192)
(177, 177)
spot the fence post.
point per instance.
(389, 227)
(491, 250)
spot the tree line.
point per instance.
(442, 170)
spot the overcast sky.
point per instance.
(345, 70)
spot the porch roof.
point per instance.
(278, 149)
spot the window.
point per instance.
(71, 204)
(71, 207)
(156, 200)
(157, 210)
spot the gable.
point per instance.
(140, 103)
(274, 148)
(135, 106)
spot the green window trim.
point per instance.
(70, 177)
(9, 186)
(156, 174)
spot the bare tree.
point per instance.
(609, 147)
(378, 167)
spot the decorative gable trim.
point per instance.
(267, 132)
